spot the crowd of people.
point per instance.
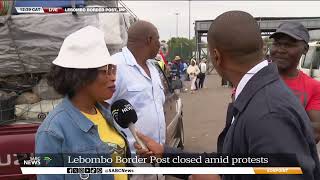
(189, 71)
(265, 117)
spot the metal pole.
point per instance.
(177, 14)
(189, 17)
(199, 46)
(196, 37)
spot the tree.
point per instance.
(182, 47)
(267, 41)
(266, 44)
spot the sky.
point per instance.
(163, 13)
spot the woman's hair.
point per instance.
(66, 81)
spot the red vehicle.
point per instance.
(15, 139)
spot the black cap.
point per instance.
(293, 29)
(123, 113)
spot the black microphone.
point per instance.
(124, 114)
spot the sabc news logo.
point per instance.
(36, 161)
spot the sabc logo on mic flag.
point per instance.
(115, 113)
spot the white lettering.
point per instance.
(98, 160)
(187, 160)
(32, 161)
(133, 160)
(127, 108)
(154, 159)
(7, 162)
(53, 10)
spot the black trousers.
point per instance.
(202, 76)
(196, 83)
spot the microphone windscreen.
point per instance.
(123, 113)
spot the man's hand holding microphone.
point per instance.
(156, 149)
(153, 148)
(124, 114)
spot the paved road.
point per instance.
(204, 115)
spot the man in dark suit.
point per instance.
(265, 117)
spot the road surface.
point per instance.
(204, 115)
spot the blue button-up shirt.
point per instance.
(144, 93)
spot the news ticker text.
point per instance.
(57, 10)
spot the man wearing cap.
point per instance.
(175, 68)
(138, 82)
(290, 43)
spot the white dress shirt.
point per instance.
(203, 67)
(245, 79)
(144, 93)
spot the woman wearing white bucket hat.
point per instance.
(85, 73)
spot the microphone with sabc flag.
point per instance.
(124, 114)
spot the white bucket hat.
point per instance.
(84, 49)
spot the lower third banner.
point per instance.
(161, 170)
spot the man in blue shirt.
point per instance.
(138, 82)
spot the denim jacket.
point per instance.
(67, 131)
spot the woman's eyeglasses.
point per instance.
(109, 69)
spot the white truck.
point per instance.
(310, 63)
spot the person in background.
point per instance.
(290, 43)
(266, 52)
(138, 81)
(160, 61)
(85, 74)
(175, 67)
(193, 71)
(176, 78)
(186, 76)
(181, 70)
(202, 74)
(185, 67)
(169, 66)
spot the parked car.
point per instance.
(172, 111)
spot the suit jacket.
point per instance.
(270, 119)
